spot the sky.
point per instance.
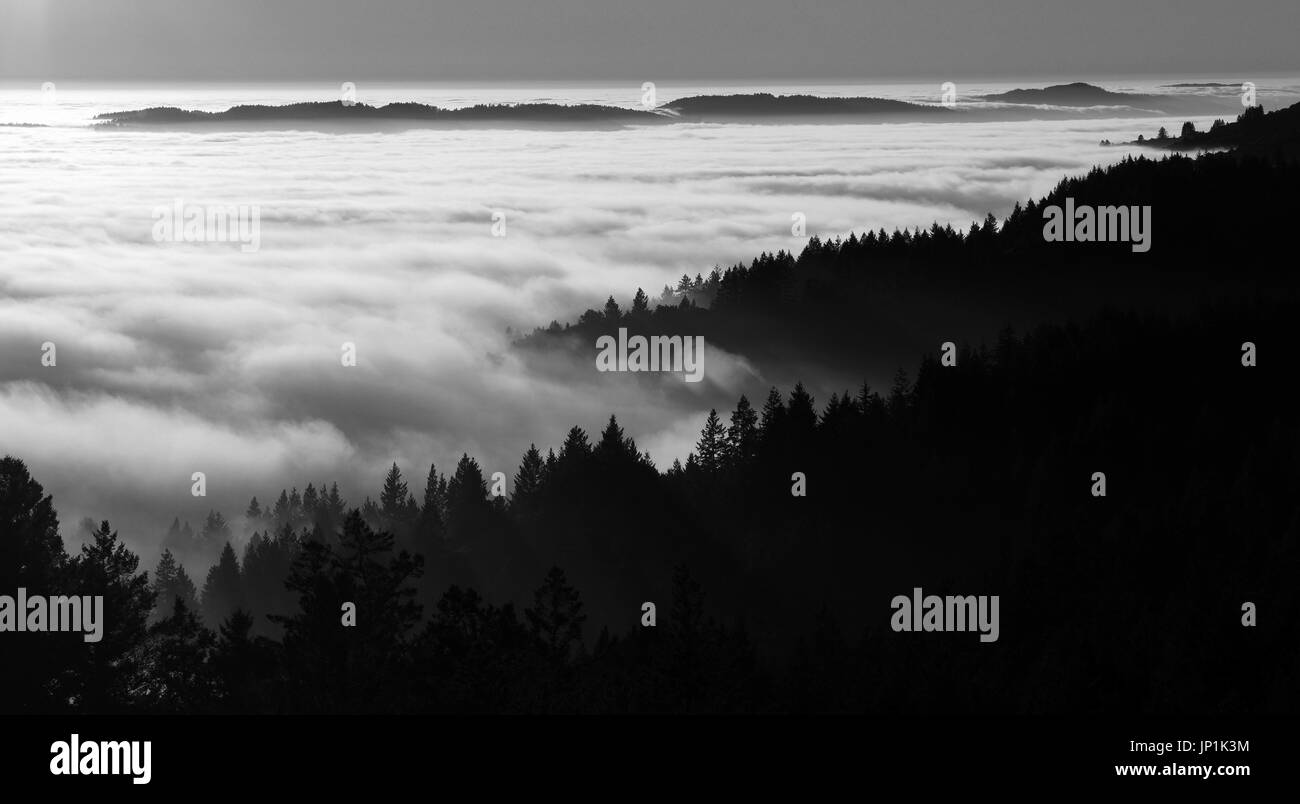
(637, 40)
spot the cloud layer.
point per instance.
(174, 358)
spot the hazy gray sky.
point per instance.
(637, 40)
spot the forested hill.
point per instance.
(703, 108)
(899, 293)
(971, 479)
(1061, 102)
(1273, 134)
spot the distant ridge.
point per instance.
(762, 104)
(762, 107)
(691, 109)
(1075, 94)
(338, 112)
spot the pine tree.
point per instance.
(183, 589)
(170, 584)
(640, 303)
(773, 418)
(295, 506)
(612, 442)
(109, 669)
(164, 575)
(310, 502)
(370, 510)
(282, 511)
(241, 665)
(742, 434)
(712, 446)
(528, 480)
(433, 510)
(331, 511)
(467, 504)
(177, 676)
(215, 528)
(802, 412)
(393, 498)
(31, 556)
(222, 591)
(467, 485)
(556, 617)
(575, 445)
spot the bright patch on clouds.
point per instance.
(182, 357)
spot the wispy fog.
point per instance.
(174, 358)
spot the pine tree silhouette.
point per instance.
(222, 590)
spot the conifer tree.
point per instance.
(222, 590)
(555, 618)
(742, 434)
(528, 480)
(640, 303)
(109, 669)
(392, 499)
(712, 446)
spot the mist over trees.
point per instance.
(875, 299)
(972, 477)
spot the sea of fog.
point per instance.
(176, 358)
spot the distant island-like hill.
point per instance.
(705, 108)
(760, 105)
(748, 108)
(340, 114)
(1083, 95)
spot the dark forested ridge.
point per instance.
(874, 300)
(701, 108)
(1254, 132)
(970, 479)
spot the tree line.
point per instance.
(970, 479)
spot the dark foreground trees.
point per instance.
(971, 479)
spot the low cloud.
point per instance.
(174, 358)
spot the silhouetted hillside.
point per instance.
(692, 109)
(1080, 95)
(1274, 134)
(756, 108)
(1075, 94)
(704, 108)
(866, 302)
(968, 479)
(337, 112)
